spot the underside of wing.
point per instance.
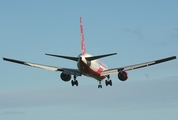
(136, 66)
(47, 67)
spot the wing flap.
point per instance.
(137, 66)
(43, 66)
(33, 64)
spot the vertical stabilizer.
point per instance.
(82, 37)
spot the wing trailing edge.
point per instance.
(47, 67)
(136, 66)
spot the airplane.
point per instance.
(90, 66)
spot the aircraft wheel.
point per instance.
(99, 86)
(72, 82)
(106, 82)
(76, 83)
(110, 82)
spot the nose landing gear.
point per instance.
(99, 86)
(107, 82)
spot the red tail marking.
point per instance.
(82, 37)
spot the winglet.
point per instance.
(82, 37)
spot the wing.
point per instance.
(53, 68)
(132, 67)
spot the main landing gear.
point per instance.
(107, 82)
(74, 82)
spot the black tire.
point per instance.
(110, 82)
(76, 83)
(99, 86)
(106, 82)
(72, 82)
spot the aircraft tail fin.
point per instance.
(82, 37)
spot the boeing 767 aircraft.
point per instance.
(90, 66)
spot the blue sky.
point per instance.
(139, 31)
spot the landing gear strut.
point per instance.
(74, 82)
(108, 81)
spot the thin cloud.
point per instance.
(150, 94)
(12, 113)
(137, 32)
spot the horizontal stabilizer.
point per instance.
(65, 57)
(99, 56)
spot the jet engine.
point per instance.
(65, 77)
(123, 75)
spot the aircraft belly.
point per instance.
(90, 70)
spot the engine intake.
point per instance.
(65, 77)
(122, 75)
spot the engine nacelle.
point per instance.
(123, 75)
(65, 77)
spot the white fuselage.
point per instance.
(91, 68)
